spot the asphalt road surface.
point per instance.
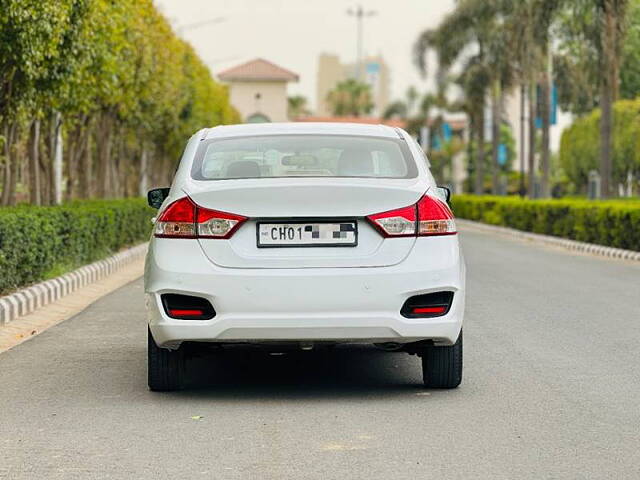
(551, 389)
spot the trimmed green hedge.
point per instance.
(40, 242)
(610, 223)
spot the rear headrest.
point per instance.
(355, 162)
(243, 169)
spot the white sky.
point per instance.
(292, 33)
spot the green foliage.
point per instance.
(114, 68)
(580, 144)
(351, 97)
(37, 242)
(611, 223)
(630, 69)
(297, 106)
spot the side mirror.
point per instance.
(444, 193)
(156, 196)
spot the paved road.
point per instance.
(551, 390)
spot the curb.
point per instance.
(29, 299)
(573, 245)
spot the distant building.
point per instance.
(331, 72)
(258, 90)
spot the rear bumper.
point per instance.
(305, 304)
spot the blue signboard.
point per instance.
(553, 114)
(502, 154)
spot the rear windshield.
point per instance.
(303, 156)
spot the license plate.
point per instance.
(307, 234)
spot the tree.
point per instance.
(415, 109)
(110, 83)
(297, 106)
(474, 33)
(591, 39)
(612, 13)
(630, 69)
(351, 97)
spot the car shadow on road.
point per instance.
(337, 372)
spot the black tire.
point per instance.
(166, 367)
(442, 366)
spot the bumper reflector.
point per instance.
(437, 310)
(185, 313)
(427, 305)
(187, 307)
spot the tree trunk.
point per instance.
(85, 172)
(34, 166)
(531, 166)
(479, 187)
(496, 119)
(143, 184)
(545, 115)
(522, 150)
(56, 191)
(103, 145)
(609, 81)
(6, 165)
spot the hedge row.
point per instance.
(39, 242)
(610, 223)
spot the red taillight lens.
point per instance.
(435, 217)
(185, 219)
(178, 220)
(430, 216)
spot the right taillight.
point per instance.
(430, 216)
(434, 217)
(184, 219)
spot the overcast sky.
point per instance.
(292, 33)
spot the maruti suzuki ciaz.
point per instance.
(304, 235)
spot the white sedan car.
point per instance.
(304, 236)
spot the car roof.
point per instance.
(301, 128)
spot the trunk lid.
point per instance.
(306, 198)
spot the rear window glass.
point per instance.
(303, 156)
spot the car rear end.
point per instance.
(318, 244)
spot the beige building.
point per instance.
(331, 71)
(258, 90)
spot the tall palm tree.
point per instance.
(590, 43)
(476, 26)
(612, 16)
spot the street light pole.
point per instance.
(360, 13)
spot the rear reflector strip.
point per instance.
(435, 304)
(185, 313)
(187, 307)
(422, 310)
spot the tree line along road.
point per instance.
(551, 389)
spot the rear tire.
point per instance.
(166, 367)
(442, 366)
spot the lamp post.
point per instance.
(360, 14)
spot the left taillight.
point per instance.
(184, 219)
(430, 216)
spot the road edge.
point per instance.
(30, 299)
(572, 245)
